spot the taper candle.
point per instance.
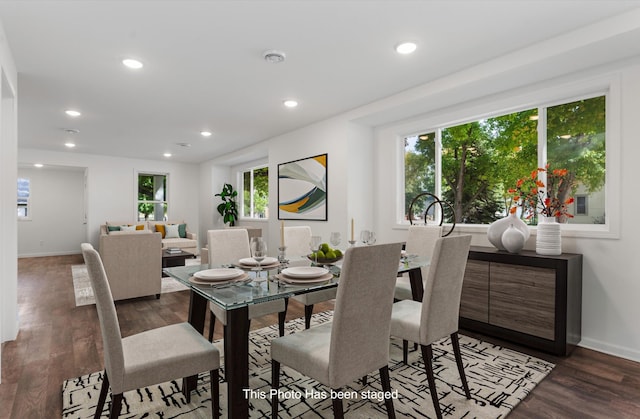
(352, 229)
(281, 233)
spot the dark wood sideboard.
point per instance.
(525, 298)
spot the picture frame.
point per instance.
(302, 189)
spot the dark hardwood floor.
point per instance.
(58, 340)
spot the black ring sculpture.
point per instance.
(437, 201)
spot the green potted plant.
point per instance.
(228, 208)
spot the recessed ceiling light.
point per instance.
(290, 103)
(69, 144)
(38, 165)
(167, 154)
(131, 63)
(72, 112)
(205, 133)
(274, 56)
(406, 48)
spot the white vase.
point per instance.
(548, 237)
(513, 239)
(497, 229)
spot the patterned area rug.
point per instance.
(498, 378)
(84, 293)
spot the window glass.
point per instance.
(24, 193)
(419, 173)
(481, 162)
(255, 196)
(152, 197)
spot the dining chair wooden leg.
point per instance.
(364, 380)
(103, 395)
(427, 357)
(212, 325)
(116, 405)
(281, 318)
(386, 387)
(338, 412)
(455, 342)
(405, 351)
(215, 393)
(308, 312)
(275, 384)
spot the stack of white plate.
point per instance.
(304, 275)
(267, 263)
(218, 276)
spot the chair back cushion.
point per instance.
(228, 245)
(362, 313)
(111, 337)
(296, 240)
(421, 240)
(443, 287)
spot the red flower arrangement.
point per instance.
(528, 194)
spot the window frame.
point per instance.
(240, 188)
(509, 102)
(135, 192)
(28, 207)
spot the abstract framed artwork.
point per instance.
(302, 189)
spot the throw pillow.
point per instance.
(182, 230)
(127, 228)
(160, 229)
(172, 231)
(112, 228)
(140, 227)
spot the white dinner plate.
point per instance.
(218, 274)
(252, 262)
(242, 278)
(304, 281)
(304, 272)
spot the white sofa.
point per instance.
(184, 239)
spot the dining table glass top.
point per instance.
(265, 284)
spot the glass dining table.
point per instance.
(236, 297)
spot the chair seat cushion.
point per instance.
(306, 351)
(178, 242)
(405, 320)
(152, 358)
(255, 310)
(403, 288)
(316, 297)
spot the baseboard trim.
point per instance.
(610, 349)
(37, 255)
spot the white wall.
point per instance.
(8, 171)
(56, 222)
(112, 186)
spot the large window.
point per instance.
(473, 165)
(152, 197)
(255, 193)
(24, 194)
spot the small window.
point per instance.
(24, 194)
(152, 197)
(255, 193)
(581, 205)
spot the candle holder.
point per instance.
(352, 243)
(282, 254)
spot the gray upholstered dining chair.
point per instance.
(421, 241)
(147, 358)
(228, 246)
(356, 342)
(297, 240)
(437, 315)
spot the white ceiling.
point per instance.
(204, 68)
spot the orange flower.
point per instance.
(519, 183)
(513, 210)
(569, 201)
